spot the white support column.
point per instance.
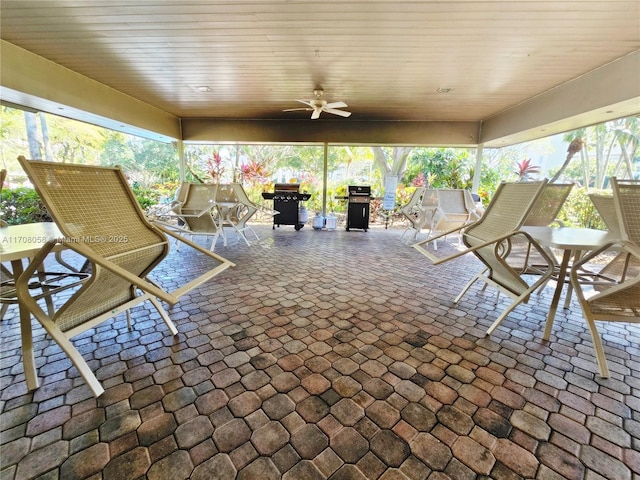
(181, 165)
(476, 174)
(325, 178)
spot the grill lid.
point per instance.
(287, 187)
(359, 190)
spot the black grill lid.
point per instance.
(359, 190)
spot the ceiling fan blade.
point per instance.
(297, 109)
(342, 113)
(306, 102)
(336, 105)
(316, 113)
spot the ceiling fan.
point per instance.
(318, 105)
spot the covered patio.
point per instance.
(328, 355)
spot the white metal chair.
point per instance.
(245, 210)
(619, 299)
(227, 206)
(101, 220)
(490, 238)
(446, 210)
(413, 213)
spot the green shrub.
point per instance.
(579, 211)
(147, 197)
(22, 205)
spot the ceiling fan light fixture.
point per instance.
(318, 105)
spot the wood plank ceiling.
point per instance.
(388, 60)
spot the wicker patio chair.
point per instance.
(490, 239)
(44, 283)
(101, 220)
(474, 205)
(544, 213)
(617, 268)
(413, 213)
(618, 300)
(547, 208)
(193, 213)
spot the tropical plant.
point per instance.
(525, 169)
(254, 172)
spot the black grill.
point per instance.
(358, 207)
(286, 198)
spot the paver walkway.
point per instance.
(327, 355)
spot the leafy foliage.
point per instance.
(22, 205)
(439, 168)
(579, 211)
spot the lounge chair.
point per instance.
(413, 213)
(446, 210)
(490, 238)
(245, 211)
(619, 299)
(193, 213)
(101, 220)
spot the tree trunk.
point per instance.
(33, 138)
(574, 147)
(48, 153)
(395, 165)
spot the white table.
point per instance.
(573, 242)
(16, 243)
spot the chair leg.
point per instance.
(164, 315)
(507, 311)
(468, 286)
(598, 347)
(520, 299)
(215, 240)
(252, 231)
(42, 278)
(242, 235)
(65, 344)
(28, 360)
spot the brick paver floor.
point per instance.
(327, 355)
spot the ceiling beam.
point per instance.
(331, 131)
(609, 92)
(32, 81)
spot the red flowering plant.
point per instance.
(525, 169)
(215, 167)
(254, 173)
(419, 180)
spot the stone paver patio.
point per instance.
(327, 355)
